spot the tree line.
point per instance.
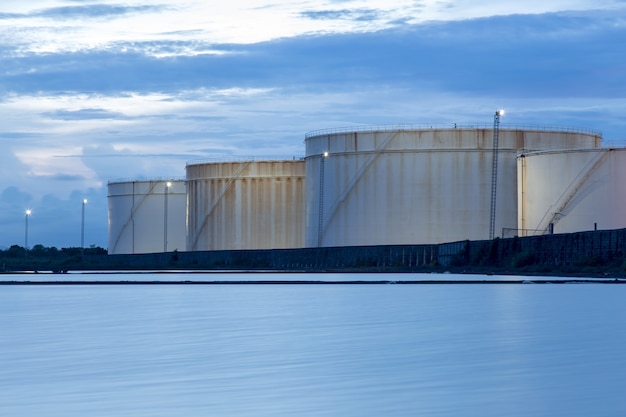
(41, 257)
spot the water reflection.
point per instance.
(372, 350)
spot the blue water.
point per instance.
(312, 350)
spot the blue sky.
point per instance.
(95, 91)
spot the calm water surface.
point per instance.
(311, 350)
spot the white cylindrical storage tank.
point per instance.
(245, 205)
(571, 191)
(146, 216)
(417, 185)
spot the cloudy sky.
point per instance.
(98, 91)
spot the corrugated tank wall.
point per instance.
(245, 205)
(416, 186)
(139, 212)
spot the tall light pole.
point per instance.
(82, 226)
(167, 188)
(320, 224)
(494, 171)
(27, 214)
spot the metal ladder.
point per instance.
(494, 174)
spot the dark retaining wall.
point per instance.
(559, 249)
(304, 259)
(600, 246)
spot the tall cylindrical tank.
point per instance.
(417, 185)
(146, 216)
(245, 205)
(571, 190)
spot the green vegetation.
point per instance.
(42, 258)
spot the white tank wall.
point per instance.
(245, 205)
(575, 190)
(137, 216)
(416, 186)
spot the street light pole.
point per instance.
(26, 216)
(320, 223)
(167, 188)
(82, 226)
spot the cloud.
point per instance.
(66, 177)
(344, 14)
(84, 114)
(12, 194)
(91, 11)
(516, 53)
(36, 28)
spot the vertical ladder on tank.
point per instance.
(320, 225)
(494, 173)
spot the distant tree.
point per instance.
(39, 251)
(71, 251)
(95, 250)
(16, 251)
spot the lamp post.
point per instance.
(320, 224)
(167, 188)
(27, 214)
(82, 226)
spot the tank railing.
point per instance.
(246, 159)
(439, 126)
(146, 179)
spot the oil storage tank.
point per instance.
(413, 184)
(245, 205)
(146, 216)
(571, 190)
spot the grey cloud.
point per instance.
(85, 12)
(20, 135)
(343, 14)
(66, 177)
(529, 55)
(84, 114)
(14, 195)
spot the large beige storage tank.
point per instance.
(146, 216)
(574, 190)
(417, 185)
(245, 205)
